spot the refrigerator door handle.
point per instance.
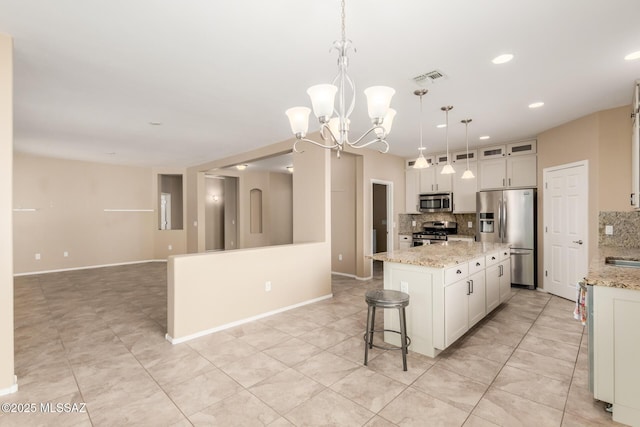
(499, 219)
(504, 219)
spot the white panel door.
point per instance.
(565, 228)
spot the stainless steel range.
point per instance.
(434, 232)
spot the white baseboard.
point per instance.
(11, 389)
(353, 276)
(88, 267)
(243, 321)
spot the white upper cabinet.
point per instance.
(412, 190)
(513, 165)
(521, 148)
(464, 190)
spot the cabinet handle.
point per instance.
(477, 264)
(493, 258)
(468, 287)
(471, 285)
(458, 272)
(509, 182)
(503, 182)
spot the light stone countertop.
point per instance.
(440, 255)
(602, 274)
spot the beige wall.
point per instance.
(387, 168)
(281, 207)
(604, 139)
(211, 291)
(207, 292)
(343, 214)
(70, 197)
(7, 378)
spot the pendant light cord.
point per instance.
(344, 32)
(421, 147)
(466, 137)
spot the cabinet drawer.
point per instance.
(455, 273)
(476, 265)
(504, 254)
(492, 258)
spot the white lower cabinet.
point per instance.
(444, 302)
(477, 298)
(616, 351)
(505, 279)
(464, 300)
(456, 311)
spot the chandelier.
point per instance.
(334, 130)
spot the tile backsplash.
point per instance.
(626, 229)
(405, 222)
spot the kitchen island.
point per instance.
(452, 286)
(614, 337)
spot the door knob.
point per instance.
(578, 242)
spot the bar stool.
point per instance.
(386, 298)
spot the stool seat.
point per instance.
(386, 298)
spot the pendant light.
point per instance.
(467, 174)
(420, 162)
(447, 169)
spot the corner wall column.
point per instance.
(7, 374)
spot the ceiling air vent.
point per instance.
(430, 77)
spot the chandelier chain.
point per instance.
(344, 32)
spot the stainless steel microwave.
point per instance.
(437, 202)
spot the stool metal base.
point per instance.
(386, 299)
(382, 347)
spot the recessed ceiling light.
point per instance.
(155, 123)
(632, 56)
(502, 59)
(536, 104)
(290, 169)
(485, 137)
(442, 125)
(241, 167)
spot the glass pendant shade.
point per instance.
(299, 120)
(447, 169)
(421, 162)
(322, 99)
(378, 100)
(468, 174)
(386, 124)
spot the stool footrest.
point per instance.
(386, 347)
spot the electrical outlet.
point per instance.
(267, 286)
(195, 223)
(608, 230)
(470, 224)
(170, 247)
(339, 257)
(65, 254)
(404, 287)
(37, 257)
(413, 223)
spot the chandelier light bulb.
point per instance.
(299, 120)
(322, 99)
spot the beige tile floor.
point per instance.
(97, 337)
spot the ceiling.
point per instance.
(90, 76)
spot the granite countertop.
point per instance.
(440, 255)
(602, 274)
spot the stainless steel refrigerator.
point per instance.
(509, 216)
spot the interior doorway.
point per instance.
(566, 232)
(221, 211)
(382, 216)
